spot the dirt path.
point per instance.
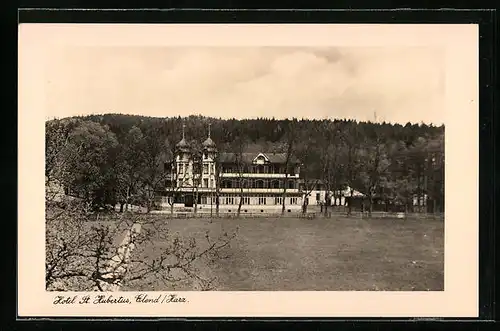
(119, 262)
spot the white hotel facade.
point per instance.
(261, 184)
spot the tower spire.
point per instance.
(209, 129)
(183, 129)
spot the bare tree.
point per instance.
(330, 161)
(175, 181)
(375, 166)
(197, 161)
(350, 160)
(289, 147)
(218, 179)
(307, 153)
(89, 252)
(238, 146)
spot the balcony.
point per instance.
(253, 175)
(259, 190)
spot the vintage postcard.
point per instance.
(248, 170)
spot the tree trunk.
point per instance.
(217, 204)
(240, 203)
(121, 207)
(196, 200)
(370, 206)
(284, 194)
(304, 204)
(349, 205)
(326, 203)
(241, 198)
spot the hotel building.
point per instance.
(259, 179)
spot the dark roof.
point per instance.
(182, 143)
(249, 157)
(209, 143)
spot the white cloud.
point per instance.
(400, 84)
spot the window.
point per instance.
(205, 168)
(211, 183)
(181, 168)
(293, 201)
(318, 197)
(227, 200)
(291, 184)
(276, 184)
(205, 182)
(260, 184)
(262, 200)
(204, 200)
(246, 200)
(278, 200)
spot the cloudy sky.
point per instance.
(397, 84)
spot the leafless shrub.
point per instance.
(102, 252)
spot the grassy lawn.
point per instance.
(336, 254)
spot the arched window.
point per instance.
(260, 183)
(291, 184)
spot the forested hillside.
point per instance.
(112, 157)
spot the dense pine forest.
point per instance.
(110, 158)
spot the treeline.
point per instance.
(113, 158)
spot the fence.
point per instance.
(378, 214)
(299, 214)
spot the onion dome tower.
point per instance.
(183, 147)
(209, 147)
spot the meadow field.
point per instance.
(333, 254)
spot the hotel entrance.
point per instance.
(188, 200)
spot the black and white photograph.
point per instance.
(175, 172)
(251, 167)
